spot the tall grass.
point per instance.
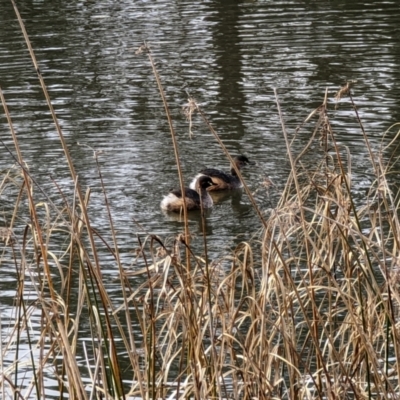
(308, 311)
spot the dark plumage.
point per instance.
(222, 180)
(194, 199)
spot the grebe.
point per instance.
(222, 180)
(194, 199)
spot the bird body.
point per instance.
(194, 199)
(221, 180)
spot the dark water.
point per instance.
(229, 55)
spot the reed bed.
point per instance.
(309, 310)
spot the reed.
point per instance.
(308, 310)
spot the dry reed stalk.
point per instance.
(94, 275)
(59, 131)
(192, 105)
(343, 273)
(145, 48)
(50, 307)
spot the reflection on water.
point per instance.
(228, 55)
(224, 195)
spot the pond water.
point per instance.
(229, 55)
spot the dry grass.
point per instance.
(311, 313)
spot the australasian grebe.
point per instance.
(194, 199)
(222, 180)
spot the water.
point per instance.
(229, 56)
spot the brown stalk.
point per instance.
(60, 134)
(225, 151)
(146, 49)
(300, 205)
(37, 235)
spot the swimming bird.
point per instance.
(222, 180)
(194, 199)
